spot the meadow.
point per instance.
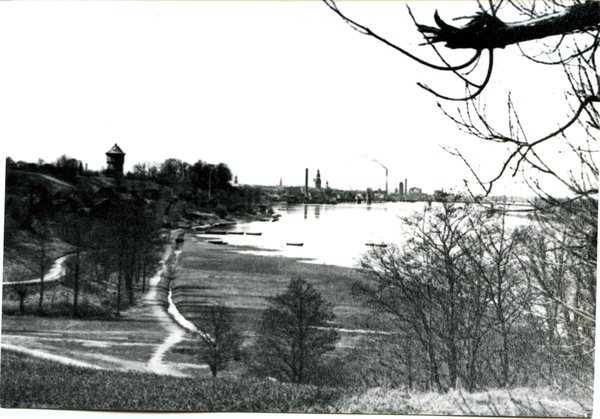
(208, 274)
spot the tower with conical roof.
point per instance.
(115, 159)
(318, 180)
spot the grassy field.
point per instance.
(210, 274)
(48, 385)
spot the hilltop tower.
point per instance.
(115, 159)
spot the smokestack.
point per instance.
(386, 180)
(306, 182)
(401, 189)
(406, 185)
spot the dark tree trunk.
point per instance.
(76, 282)
(42, 269)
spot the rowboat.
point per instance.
(295, 244)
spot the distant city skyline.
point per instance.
(269, 88)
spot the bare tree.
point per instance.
(219, 341)
(494, 253)
(16, 273)
(42, 238)
(455, 289)
(565, 35)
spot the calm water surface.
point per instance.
(330, 234)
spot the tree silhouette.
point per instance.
(295, 332)
(219, 341)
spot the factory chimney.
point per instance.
(386, 182)
(306, 182)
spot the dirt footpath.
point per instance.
(139, 340)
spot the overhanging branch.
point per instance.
(486, 31)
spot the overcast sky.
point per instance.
(269, 88)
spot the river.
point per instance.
(329, 234)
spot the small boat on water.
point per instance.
(220, 232)
(239, 233)
(295, 244)
(217, 242)
(252, 234)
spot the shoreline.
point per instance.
(211, 274)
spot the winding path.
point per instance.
(54, 274)
(138, 334)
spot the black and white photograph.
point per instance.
(313, 207)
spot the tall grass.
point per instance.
(522, 402)
(34, 383)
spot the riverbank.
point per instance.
(209, 274)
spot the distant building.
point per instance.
(318, 180)
(115, 160)
(415, 191)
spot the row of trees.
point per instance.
(117, 248)
(114, 246)
(174, 172)
(204, 185)
(64, 167)
(485, 305)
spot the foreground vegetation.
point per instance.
(35, 383)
